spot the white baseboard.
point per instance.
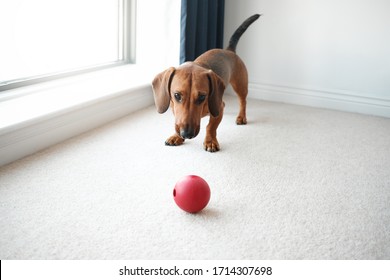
(329, 99)
(42, 133)
(45, 132)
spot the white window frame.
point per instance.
(127, 51)
(38, 116)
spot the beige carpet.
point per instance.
(295, 183)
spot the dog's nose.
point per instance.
(187, 133)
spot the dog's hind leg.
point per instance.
(241, 118)
(239, 84)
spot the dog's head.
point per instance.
(192, 91)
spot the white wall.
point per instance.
(158, 33)
(324, 53)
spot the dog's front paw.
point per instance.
(241, 120)
(211, 145)
(174, 140)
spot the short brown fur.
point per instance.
(195, 89)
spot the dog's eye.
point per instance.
(178, 97)
(201, 98)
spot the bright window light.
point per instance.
(39, 37)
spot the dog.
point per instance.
(195, 89)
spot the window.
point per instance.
(42, 39)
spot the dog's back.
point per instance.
(195, 89)
(221, 61)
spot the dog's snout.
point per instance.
(187, 133)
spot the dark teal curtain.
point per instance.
(201, 27)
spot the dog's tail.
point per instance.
(240, 30)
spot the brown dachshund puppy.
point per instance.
(195, 89)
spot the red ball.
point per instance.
(191, 193)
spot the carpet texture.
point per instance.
(295, 183)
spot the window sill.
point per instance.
(43, 115)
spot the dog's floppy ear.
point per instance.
(161, 89)
(217, 87)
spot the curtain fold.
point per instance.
(201, 27)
